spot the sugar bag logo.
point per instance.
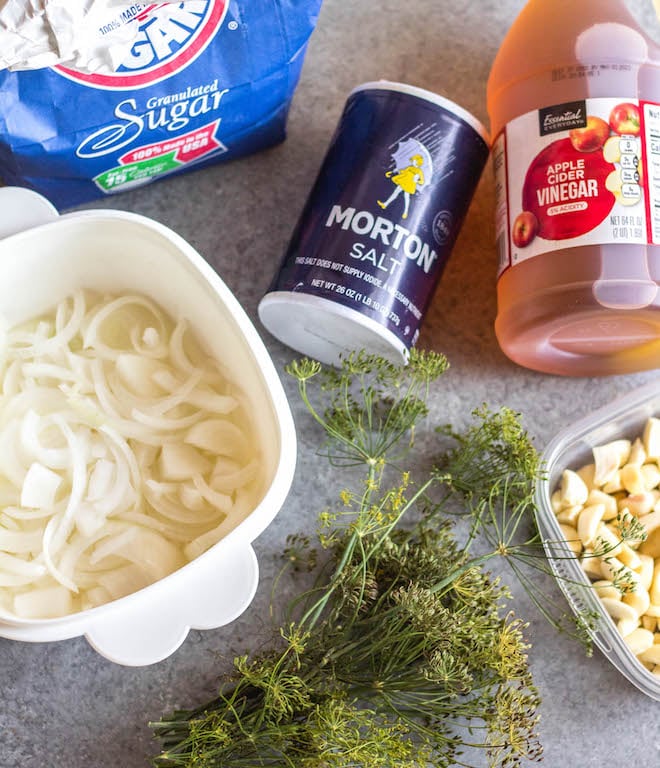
(170, 37)
(154, 130)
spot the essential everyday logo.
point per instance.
(562, 117)
(170, 37)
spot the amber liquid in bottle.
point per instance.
(586, 309)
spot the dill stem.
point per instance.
(334, 433)
(475, 562)
(314, 612)
(302, 388)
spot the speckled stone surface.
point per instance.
(62, 705)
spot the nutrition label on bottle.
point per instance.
(651, 113)
(579, 173)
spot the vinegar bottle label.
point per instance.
(579, 173)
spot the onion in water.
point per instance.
(125, 452)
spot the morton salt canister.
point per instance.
(378, 226)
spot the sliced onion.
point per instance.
(180, 462)
(32, 426)
(40, 486)
(123, 451)
(45, 603)
(228, 481)
(17, 513)
(49, 550)
(178, 396)
(94, 597)
(173, 531)
(219, 436)
(220, 501)
(113, 545)
(124, 494)
(148, 342)
(78, 465)
(64, 330)
(20, 567)
(153, 553)
(89, 520)
(122, 581)
(137, 373)
(171, 510)
(48, 371)
(13, 380)
(75, 559)
(177, 351)
(100, 478)
(11, 466)
(211, 401)
(191, 498)
(163, 423)
(199, 545)
(92, 332)
(19, 542)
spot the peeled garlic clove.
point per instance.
(637, 453)
(626, 627)
(573, 489)
(638, 600)
(619, 610)
(608, 459)
(597, 496)
(572, 538)
(605, 588)
(651, 438)
(651, 473)
(588, 522)
(651, 654)
(569, 515)
(639, 641)
(632, 478)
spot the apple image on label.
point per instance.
(592, 137)
(625, 119)
(524, 230)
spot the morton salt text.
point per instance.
(566, 182)
(386, 232)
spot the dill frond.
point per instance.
(404, 651)
(369, 405)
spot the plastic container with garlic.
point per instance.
(598, 510)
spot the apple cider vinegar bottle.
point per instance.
(574, 105)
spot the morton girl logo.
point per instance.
(411, 172)
(170, 36)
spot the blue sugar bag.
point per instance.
(205, 81)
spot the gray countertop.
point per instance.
(62, 705)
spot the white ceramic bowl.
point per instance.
(570, 449)
(116, 252)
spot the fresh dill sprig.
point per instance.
(403, 652)
(493, 470)
(368, 405)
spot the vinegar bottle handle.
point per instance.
(624, 281)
